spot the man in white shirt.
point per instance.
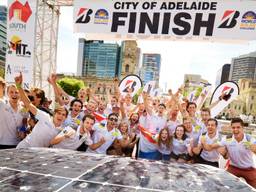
(191, 131)
(79, 138)
(207, 155)
(205, 115)
(74, 117)
(46, 128)
(106, 134)
(12, 114)
(240, 148)
(173, 122)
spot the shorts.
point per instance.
(149, 155)
(203, 161)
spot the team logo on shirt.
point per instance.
(115, 134)
(197, 128)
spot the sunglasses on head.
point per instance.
(113, 119)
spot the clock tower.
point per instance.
(129, 58)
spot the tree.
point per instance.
(71, 85)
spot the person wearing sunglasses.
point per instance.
(107, 133)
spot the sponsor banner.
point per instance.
(204, 94)
(157, 92)
(191, 96)
(149, 87)
(166, 19)
(130, 84)
(223, 95)
(21, 24)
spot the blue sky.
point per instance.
(178, 58)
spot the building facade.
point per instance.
(98, 59)
(223, 74)
(129, 58)
(151, 66)
(243, 67)
(3, 44)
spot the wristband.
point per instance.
(18, 85)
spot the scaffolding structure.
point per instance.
(47, 25)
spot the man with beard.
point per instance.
(11, 118)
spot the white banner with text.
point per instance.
(166, 20)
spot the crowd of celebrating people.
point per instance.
(167, 128)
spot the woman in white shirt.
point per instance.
(164, 144)
(181, 146)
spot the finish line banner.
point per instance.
(163, 19)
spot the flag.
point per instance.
(152, 138)
(99, 117)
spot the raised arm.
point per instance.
(201, 103)
(108, 94)
(123, 114)
(116, 88)
(147, 107)
(23, 96)
(58, 91)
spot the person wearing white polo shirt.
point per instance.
(12, 115)
(46, 128)
(74, 117)
(205, 115)
(152, 124)
(191, 131)
(173, 121)
(105, 134)
(240, 148)
(80, 138)
(208, 155)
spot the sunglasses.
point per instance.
(113, 119)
